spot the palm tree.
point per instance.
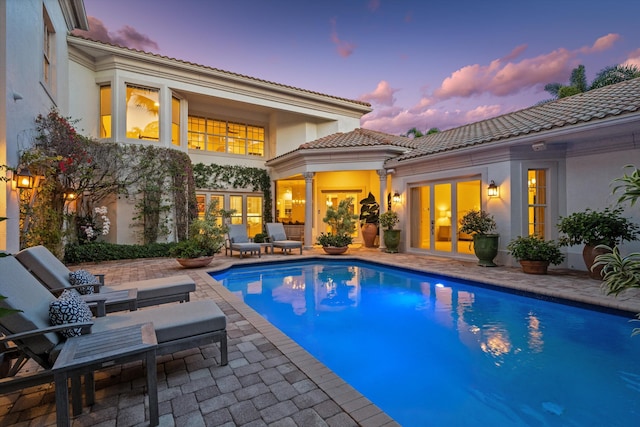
(578, 80)
(414, 133)
(577, 84)
(615, 74)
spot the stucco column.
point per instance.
(382, 175)
(308, 209)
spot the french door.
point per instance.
(435, 212)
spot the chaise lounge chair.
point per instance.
(275, 231)
(177, 326)
(238, 240)
(53, 274)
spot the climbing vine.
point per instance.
(162, 181)
(220, 177)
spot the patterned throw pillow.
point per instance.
(69, 308)
(83, 277)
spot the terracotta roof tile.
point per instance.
(357, 138)
(621, 98)
(79, 36)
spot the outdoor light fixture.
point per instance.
(492, 189)
(24, 179)
(70, 195)
(396, 198)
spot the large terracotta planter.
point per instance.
(392, 240)
(202, 261)
(589, 254)
(534, 267)
(335, 250)
(369, 233)
(485, 247)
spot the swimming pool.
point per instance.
(429, 350)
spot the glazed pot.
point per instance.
(392, 240)
(485, 247)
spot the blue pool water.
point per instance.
(435, 351)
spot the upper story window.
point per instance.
(225, 137)
(48, 35)
(143, 105)
(105, 111)
(175, 121)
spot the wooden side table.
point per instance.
(87, 353)
(267, 247)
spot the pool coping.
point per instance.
(360, 408)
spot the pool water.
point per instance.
(430, 350)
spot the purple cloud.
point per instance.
(345, 49)
(382, 94)
(127, 36)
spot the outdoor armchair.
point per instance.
(238, 240)
(275, 231)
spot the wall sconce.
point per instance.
(396, 198)
(493, 190)
(24, 179)
(70, 195)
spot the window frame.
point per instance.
(209, 138)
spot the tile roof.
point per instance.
(358, 138)
(217, 70)
(613, 100)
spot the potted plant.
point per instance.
(206, 238)
(480, 224)
(596, 228)
(369, 219)
(388, 220)
(343, 224)
(535, 254)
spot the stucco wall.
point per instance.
(22, 58)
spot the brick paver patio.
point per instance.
(269, 380)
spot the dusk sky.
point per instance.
(420, 63)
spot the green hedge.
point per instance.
(94, 252)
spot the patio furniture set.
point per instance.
(239, 241)
(79, 342)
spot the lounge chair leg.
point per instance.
(223, 350)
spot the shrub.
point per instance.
(477, 222)
(101, 251)
(594, 228)
(534, 248)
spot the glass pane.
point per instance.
(537, 201)
(235, 203)
(421, 217)
(142, 113)
(105, 111)
(219, 199)
(195, 133)
(200, 200)
(175, 121)
(290, 201)
(254, 215)
(442, 217)
(468, 197)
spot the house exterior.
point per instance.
(547, 161)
